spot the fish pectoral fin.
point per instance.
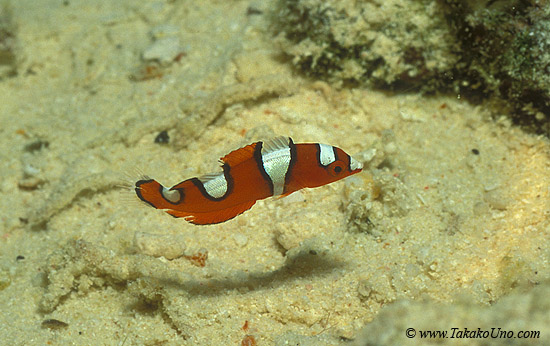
(209, 218)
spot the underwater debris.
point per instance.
(32, 175)
(164, 51)
(157, 57)
(150, 70)
(199, 258)
(248, 340)
(37, 145)
(162, 137)
(54, 324)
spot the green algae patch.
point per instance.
(380, 42)
(489, 50)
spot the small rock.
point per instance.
(157, 245)
(164, 50)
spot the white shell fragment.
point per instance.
(164, 50)
(160, 245)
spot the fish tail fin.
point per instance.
(153, 193)
(172, 201)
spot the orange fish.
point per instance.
(276, 167)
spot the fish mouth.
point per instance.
(355, 166)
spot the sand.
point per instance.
(450, 213)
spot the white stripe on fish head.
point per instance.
(326, 154)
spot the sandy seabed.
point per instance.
(447, 227)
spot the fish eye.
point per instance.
(336, 168)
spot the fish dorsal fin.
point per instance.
(237, 156)
(274, 144)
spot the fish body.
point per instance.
(277, 167)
